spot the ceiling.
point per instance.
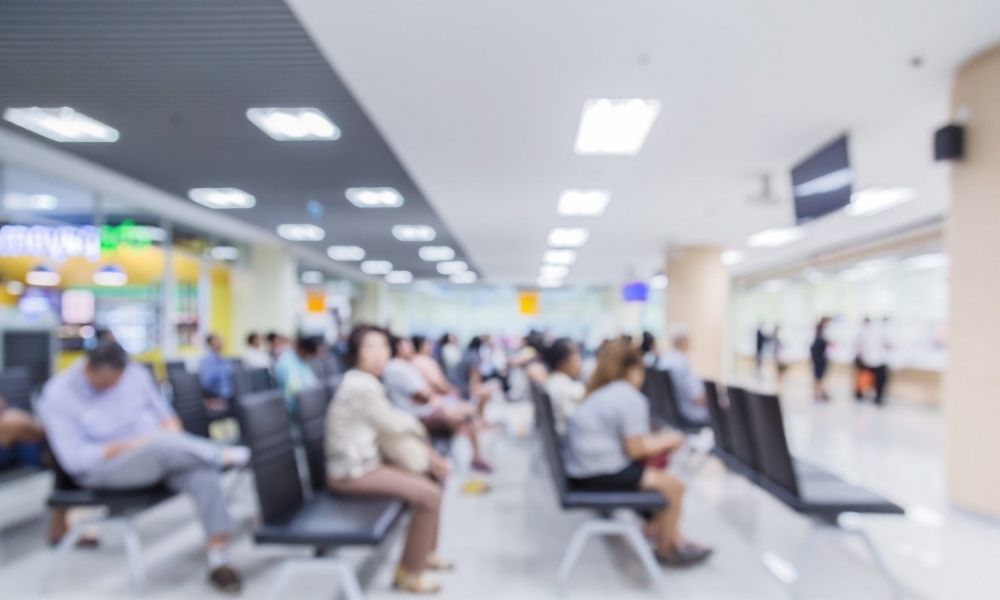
(176, 78)
(481, 100)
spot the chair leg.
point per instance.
(806, 552)
(348, 581)
(880, 564)
(641, 548)
(347, 578)
(609, 527)
(804, 560)
(573, 552)
(284, 574)
(133, 548)
(67, 543)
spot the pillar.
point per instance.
(697, 294)
(371, 306)
(264, 294)
(971, 388)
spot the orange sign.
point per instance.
(315, 302)
(527, 303)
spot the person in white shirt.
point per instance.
(563, 385)
(689, 390)
(255, 357)
(873, 357)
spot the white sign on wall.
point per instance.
(54, 243)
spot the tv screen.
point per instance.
(822, 183)
(635, 291)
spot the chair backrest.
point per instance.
(189, 402)
(740, 431)
(15, 387)
(717, 417)
(550, 439)
(267, 432)
(772, 445)
(175, 366)
(242, 382)
(313, 404)
(658, 389)
(152, 370)
(260, 380)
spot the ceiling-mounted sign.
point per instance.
(527, 303)
(126, 233)
(59, 243)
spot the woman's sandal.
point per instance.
(436, 563)
(414, 583)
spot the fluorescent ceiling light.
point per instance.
(875, 200)
(42, 277)
(583, 203)
(775, 237)
(465, 277)
(436, 253)
(224, 253)
(294, 124)
(823, 184)
(451, 267)
(927, 261)
(346, 253)
(301, 232)
(732, 257)
(610, 126)
(312, 277)
(222, 198)
(398, 277)
(19, 201)
(374, 197)
(659, 282)
(568, 237)
(15, 288)
(61, 124)
(376, 267)
(559, 257)
(110, 276)
(549, 283)
(413, 233)
(553, 272)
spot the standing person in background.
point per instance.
(873, 359)
(817, 353)
(215, 373)
(778, 348)
(759, 345)
(650, 353)
(254, 357)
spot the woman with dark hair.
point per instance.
(650, 354)
(817, 353)
(374, 448)
(563, 385)
(609, 441)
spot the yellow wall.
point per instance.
(220, 315)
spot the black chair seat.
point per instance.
(115, 500)
(810, 472)
(327, 521)
(16, 473)
(441, 444)
(217, 414)
(578, 499)
(837, 496)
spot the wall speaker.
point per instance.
(949, 143)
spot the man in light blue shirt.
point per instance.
(292, 373)
(215, 372)
(689, 390)
(111, 429)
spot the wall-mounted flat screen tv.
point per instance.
(823, 182)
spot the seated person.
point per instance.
(110, 428)
(255, 357)
(374, 448)
(292, 372)
(689, 390)
(563, 386)
(608, 442)
(215, 374)
(469, 379)
(20, 437)
(441, 413)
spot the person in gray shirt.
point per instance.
(608, 441)
(688, 388)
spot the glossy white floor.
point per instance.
(509, 542)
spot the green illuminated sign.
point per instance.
(127, 234)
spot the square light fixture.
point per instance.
(224, 253)
(376, 267)
(615, 126)
(110, 276)
(732, 257)
(568, 237)
(346, 253)
(436, 253)
(398, 277)
(658, 282)
(463, 278)
(583, 203)
(450, 267)
(413, 233)
(776, 237)
(301, 232)
(559, 257)
(374, 197)
(61, 124)
(553, 272)
(36, 202)
(549, 283)
(42, 277)
(312, 277)
(294, 124)
(222, 198)
(875, 200)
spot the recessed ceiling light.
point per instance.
(568, 237)
(110, 276)
(732, 257)
(61, 124)
(312, 277)
(346, 253)
(398, 277)
(559, 257)
(553, 271)
(374, 197)
(658, 281)
(775, 237)
(413, 233)
(19, 201)
(464, 277)
(376, 267)
(436, 253)
(549, 283)
(294, 124)
(612, 126)
(42, 277)
(451, 267)
(222, 198)
(15, 288)
(301, 232)
(583, 203)
(875, 200)
(224, 253)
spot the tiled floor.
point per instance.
(509, 542)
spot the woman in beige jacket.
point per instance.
(374, 448)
